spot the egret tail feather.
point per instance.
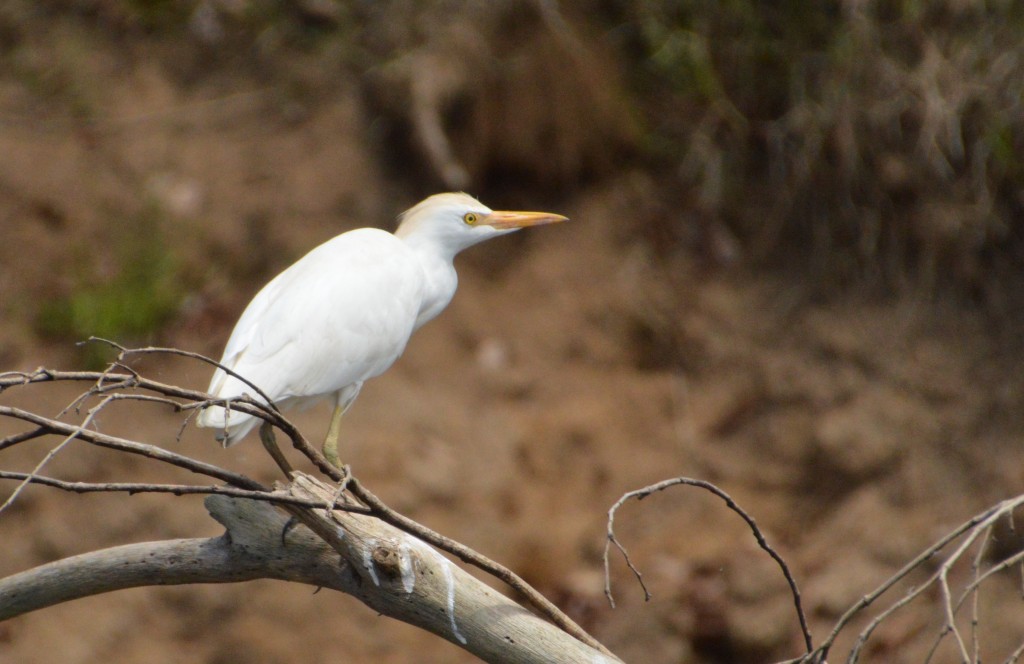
(231, 426)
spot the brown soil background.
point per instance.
(576, 363)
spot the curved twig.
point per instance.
(640, 494)
(156, 350)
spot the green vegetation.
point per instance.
(880, 141)
(157, 14)
(144, 294)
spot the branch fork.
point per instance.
(351, 542)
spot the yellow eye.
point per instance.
(470, 218)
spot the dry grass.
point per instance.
(872, 142)
(869, 140)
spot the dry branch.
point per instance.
(355, 543)
(646, 491)
(389, 555)
(397, 567)
(976, 533)
(387, 569)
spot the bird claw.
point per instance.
(342, 486)
(288, 527)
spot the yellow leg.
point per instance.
(331, 442)
(270, 443)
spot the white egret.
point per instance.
(344, 312)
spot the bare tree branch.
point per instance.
(354, 486)
(973, 530)
(124, 352)
(274, 497)
(352, 525)
(53, 452)
(31, 434)
(975, 533)
(384, 552)
(122, 383)
(389, 570)
(640, 494)
(131, 447)
(385, 568)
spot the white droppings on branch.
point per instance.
(405, 566)
(449, 579)
(368, 560)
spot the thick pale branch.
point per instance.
(111, 383)
(250, 549)
(404, 578)
(387, 569)
(468, 555)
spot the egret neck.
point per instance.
(439, 277)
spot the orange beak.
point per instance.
(504, 220)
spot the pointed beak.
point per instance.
(504, 220)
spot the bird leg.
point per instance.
(270, 443)
(331, 441)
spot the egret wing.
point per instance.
(341, 314)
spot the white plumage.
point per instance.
(344, 312)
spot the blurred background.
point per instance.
(795, 268)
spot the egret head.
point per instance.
(456, 221)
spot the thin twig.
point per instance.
(122, 382)
(54, 452)
(156, 350)
(995, 569)
(17, 438)
(947, 604)
(629, 563)
(175, 405)
(975, 594)
(973, 528)
(640, 494)
(10, 378)
(132, 447)
(184, 424)
(821, 653)
(275, 497)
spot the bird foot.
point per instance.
(342, 486)
(288, 527)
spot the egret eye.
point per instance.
(470, 218)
